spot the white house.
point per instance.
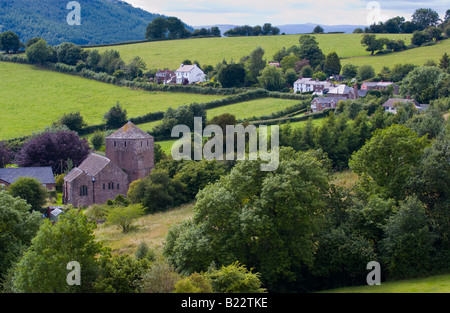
(191, 73)
(311, 85)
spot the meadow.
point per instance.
(32, 98)
(210, 51)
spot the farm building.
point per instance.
(42, 174)
(129, 156)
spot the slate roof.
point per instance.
(390, 103)
(93, 164)
(341, 90)
(329, 99)
(186, 68)
(43, 174)
(130, 131)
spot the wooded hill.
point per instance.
(100, 21)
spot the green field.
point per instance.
(32, 98)
(169, 54)
(416, 56)
(253, 108)
(433, 284)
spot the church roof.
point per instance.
(130, 131)
(93, 164)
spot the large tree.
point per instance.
(5, 155)
(373, 44)
(309, 49)
(272, 78)
(332, 65)
(425, 17)
(53, 149)
(19, 226)
(424, 83)
(388, 158)
(255, 64)
(53, 248)
(39, 52)
(232, 75)
(10, 42)
(265, 220)
(31, 190)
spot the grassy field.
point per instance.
(416, 56)
(32, 98)
(151, 229)
(253, 108)
(210, 51)
(433, 284)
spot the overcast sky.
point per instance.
(281, 12)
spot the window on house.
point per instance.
(125, 143)
(115, 144)
(83, 191)
(118, 186)
(104, 187)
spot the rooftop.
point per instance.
(130, 131)
(43, 174)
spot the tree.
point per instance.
(365, 72)
(263, 219)
(321, 76)
(434, 33)
(272, 78)
(215, 31)
(10, 42)
(31, 190)
(307, 71)
(74, 121)
(318, 30)
(444, 62)
(69, 53)
(389, 157)
(19, 226)
(399, 71)
(288, 62)
(161, 277)
(39, 52)
(423, 83)
(195, 283)
(235, 278)
(332, 65)
(123, 216)
(5, 155)
(135, 68)
(156, 192)
(71, 239)
(53, 149)
(232, 75)
(349, 71)
(176, 28)
(98, 140)
(290, 76)
(116, 117)
(419, 38)
(255, 64)
(156, 29)
(372, 44)
(309, 49)
(425, 17)
(266, 29)
(408, 245)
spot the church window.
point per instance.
(83, 191)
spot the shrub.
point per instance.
(160, 278)
(235, 278)
(98, 140)
(195, 283)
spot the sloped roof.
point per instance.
(186, 68)
(328, 99)
(130, 131)
(341, 90)
(390, 103)
(74, 173)
(42, 174)
(93, 164)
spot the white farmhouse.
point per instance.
(189, 73)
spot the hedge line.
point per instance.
(284, 120)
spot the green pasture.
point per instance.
(210, 51)
(32, 98)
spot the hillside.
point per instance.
(210, 51)
(46, 95)
(100, 20)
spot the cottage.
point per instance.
(310, 85)
(190, 74)
(392, 104)
(379, 86)
(43, 174)
(166, 77)
(319, 104)
(129, 156)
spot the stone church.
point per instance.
(129, 156)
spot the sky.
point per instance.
(282, 12)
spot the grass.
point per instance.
(417, 56)
(32, 98)
(433, 284)
(151, 229)
(210, 51)
(346, 179)
(253, 108)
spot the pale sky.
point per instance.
(281, 12)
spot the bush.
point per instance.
(123, 216)
(31, 190)
(73, 121)
(116, 117)
(160, 278)
(195, 283)
(235, 278)
(98, 140)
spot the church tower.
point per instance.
(132, 150)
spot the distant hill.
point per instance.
(293, 29)
(102, 21)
